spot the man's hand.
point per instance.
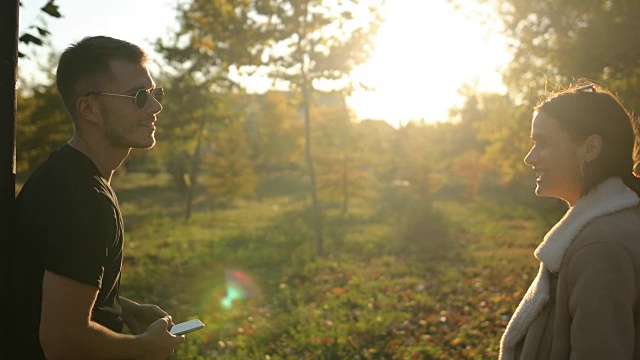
(160, 343)
(138, 317)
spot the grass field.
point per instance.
(437, 282)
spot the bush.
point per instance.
(422, 231)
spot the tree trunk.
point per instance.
(8, 69)
(8, 61)
(306, 100)
(193, 170)
(345, 182)
(346, 132)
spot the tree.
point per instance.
(196, 118)
(230, 173)
(9, 60)
(557, 41)
(493, 126)
(504, 127)
(417, 155)
(36, 34)
(374, 140)
(274, 131)
(297, 42)
(471, 168)
(339, 162)
(8, 78)
(43, 126)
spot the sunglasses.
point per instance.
(140, 98)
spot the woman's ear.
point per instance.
(591, 147)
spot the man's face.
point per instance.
(125, 125)
(554, 158)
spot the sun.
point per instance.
(424, 52)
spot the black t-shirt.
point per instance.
(69, 223)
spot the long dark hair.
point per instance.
(586, 109)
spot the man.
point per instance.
(64, 271)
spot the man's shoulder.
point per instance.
(64, 181)
(65, 170)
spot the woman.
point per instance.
(583, 304)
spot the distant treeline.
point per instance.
(214, 137)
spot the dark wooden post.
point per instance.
(8, 71)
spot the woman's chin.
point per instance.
(541, 191)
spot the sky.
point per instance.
(424, 52)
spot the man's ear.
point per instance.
(88, 109)
(592, 146)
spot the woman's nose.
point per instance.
(530, 159)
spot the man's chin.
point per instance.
(147, 145)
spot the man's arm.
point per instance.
(67, 331)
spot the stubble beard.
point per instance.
(118, 136)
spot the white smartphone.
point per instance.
(186, 327)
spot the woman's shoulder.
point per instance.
(621, 228)
(622, 221)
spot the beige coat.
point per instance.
(584, 301)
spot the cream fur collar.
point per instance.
(608, 197)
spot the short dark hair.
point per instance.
(584, 110)
(88, 60)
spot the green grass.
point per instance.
(434, 282)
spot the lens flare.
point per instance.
(239, 286)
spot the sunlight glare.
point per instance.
(424, 52)
(239, 286)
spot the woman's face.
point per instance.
(554, 158)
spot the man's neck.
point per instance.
(106, 158)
